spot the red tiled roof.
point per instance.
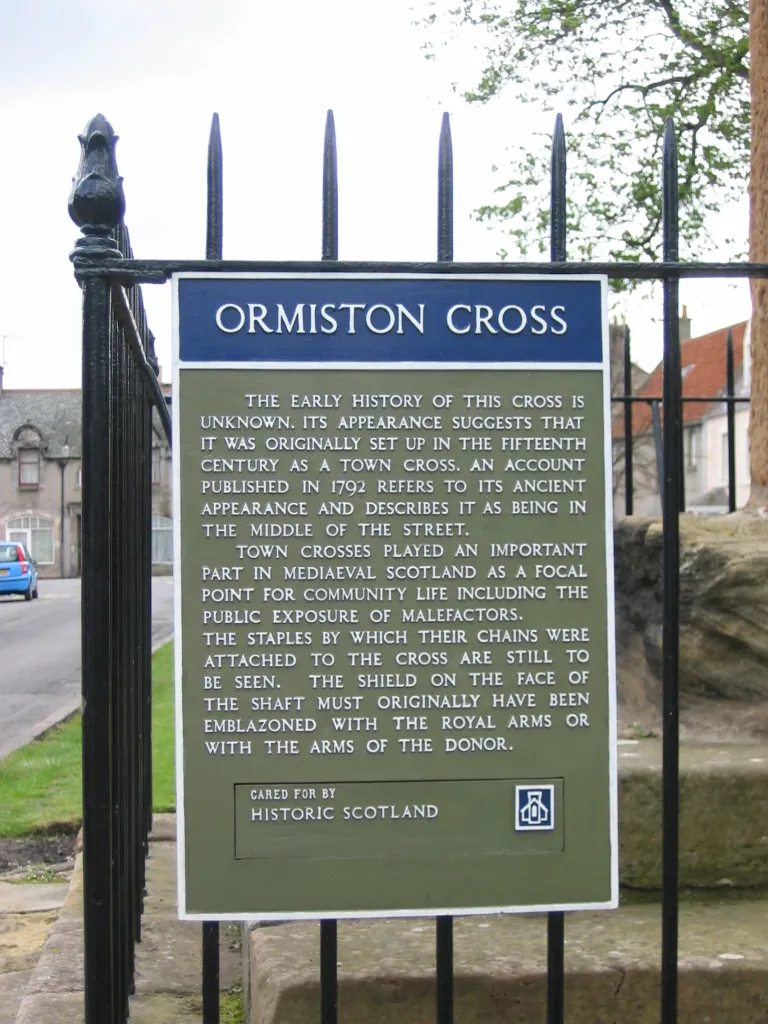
(706, 376)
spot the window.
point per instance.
(36, 534)
(692, 447)
(724, 457)
(162, 540)
(29, 467)
(157, 467)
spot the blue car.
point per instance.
(18, 574)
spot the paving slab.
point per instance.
(163, 828)
(33, 897)
(165, 1008)
(387, 976)
(12, 987)
(58, 1008)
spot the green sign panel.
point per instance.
(394, 644)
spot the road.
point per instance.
(40, 656)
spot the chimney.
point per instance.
(685, 325)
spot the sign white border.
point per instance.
(605, 366)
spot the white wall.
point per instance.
(715, 449)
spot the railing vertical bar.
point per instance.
(330, 225)
(122, 566)
(137, 547)
(329, 969)
(557, 195)
(730, 388)
(444, 973)
(444, 924)
(445, 192)
(557, 254)
(98, 910)
(555, 968)
(658, 445)
(671, 589)
(116, 669)
(213, 251)
(329, 972)
(146, 634)
(214, 234)
(128, 551)
(148, 414)
(113, 568)
(629, 482)
(136, 520)
(211, 972)
(125, 739)
(139, 531)
(146, 629)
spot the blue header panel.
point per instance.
(356, 319)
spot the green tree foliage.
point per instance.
(616, 69)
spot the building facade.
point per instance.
(40, 480)
(705, 427)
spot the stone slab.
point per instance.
(163, 828)
(386, 968)
(20, 898)
(12, 988)
(723, 826)
(165, 1008)
(169, 957)
(60, 967)
(723, 612)
(61, 1008)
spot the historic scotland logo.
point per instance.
(534, 808)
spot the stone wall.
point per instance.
(723, 619)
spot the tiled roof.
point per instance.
(56, 414)
(704, 373)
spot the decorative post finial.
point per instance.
(96, 202)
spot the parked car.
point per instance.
(18, 574)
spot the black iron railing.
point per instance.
(119, 390)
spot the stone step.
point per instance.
(387, 968)
(723, 825)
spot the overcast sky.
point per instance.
(159, 68)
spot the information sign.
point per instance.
(395, 683)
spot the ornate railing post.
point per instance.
(97, 205)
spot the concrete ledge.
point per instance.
(386, 968)
(723, 825)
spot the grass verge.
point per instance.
(40, 784)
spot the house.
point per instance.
(705, 431)
(40, 479)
